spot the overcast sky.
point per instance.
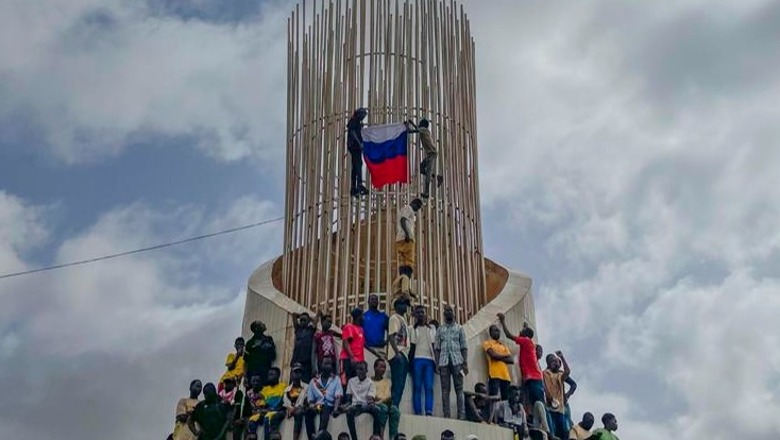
(629, 159)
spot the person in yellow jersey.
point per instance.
(499, 359)
(235, 365)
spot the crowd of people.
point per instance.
(329, 379)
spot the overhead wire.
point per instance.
(141, 250)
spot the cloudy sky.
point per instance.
(629, 160)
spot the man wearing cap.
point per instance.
(294, 399)
(355, 148)
(428, 164)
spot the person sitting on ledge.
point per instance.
(388, 413)
(235, 365)
(324, 394)
(294, 399)
(362, 391)
(479, 404)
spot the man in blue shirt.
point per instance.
(323, 395)
(375, 324)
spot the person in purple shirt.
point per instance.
(375, 324)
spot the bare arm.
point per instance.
(502, 320)
(572, 387)
(566, 369)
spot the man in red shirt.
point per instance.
(526, 360)
(353, 346)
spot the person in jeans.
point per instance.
(398, 339)
(421, 359)
(526, 360)
(451, 353)
(323, 394)
(363, 393)
(384, 400)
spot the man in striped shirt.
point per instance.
(451, 354)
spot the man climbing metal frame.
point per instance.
(405, 249)
(428, 164)
(355, 148)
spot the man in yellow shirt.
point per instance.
(499, 358)
(384, 399)
(235, 365)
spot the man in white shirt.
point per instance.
(405, 248)
(362, 390)
(421, 359)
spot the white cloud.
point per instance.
(95, 76)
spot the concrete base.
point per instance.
(265, 303)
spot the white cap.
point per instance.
(472, 437)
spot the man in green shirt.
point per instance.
(608, 431)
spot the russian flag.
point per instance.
(384, 149)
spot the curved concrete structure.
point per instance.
(266, 303)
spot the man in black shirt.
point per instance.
(355, 148)
(303, 348)
(211, 418)
(259, 353)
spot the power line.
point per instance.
(141, 250)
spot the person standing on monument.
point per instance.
(303, 346)
(325, 340)
(355, 148)
(353, 345)
(375, 324)
(421, 360)
(499, 358)
(451, 354)
(260, 352)
(398, 339)
(526, 360)
(405, 248)
(553, 379)
(428, 164)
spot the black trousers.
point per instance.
(357, 169)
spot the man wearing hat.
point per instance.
(294, 399)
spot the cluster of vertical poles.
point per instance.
(400, 59)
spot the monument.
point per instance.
(399, 59)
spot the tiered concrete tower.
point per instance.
(401, 59)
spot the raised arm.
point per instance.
(566, 369)
(502, 320)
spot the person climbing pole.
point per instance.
(428, 164)
(355, 148)
(405, 249)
